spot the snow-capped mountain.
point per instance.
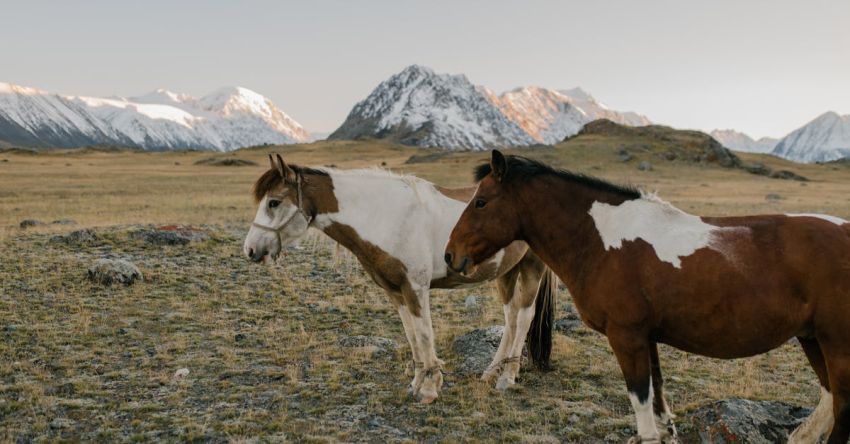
(824, 139)
(550, 116)
(738, 141)
(226, 119)
(421, 108)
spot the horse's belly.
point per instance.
(728, 340)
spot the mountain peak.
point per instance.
(229, 118)
(824, 139)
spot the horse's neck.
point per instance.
(563, 235)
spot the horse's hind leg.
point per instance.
(838, 365)
(407, 322)
(663, 415)
(632, 349)
(820, 422)
(530, 274)
(506, 285)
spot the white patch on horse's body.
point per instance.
(671, 232)
(818, 424)
(404, 216)
(834, 219)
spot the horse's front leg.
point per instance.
(430, 379)
(632, 349)
(663, 416)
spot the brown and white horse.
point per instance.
(643, 272)
(397, 227)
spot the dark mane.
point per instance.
(521, 168)
(271, 179)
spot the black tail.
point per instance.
(540, 332)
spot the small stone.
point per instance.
(62, 423)
(383, 346)
(27, 223)
(624, 156)
(64, 222)
(773, 197)
(181, 373)
(471, 303)
(109, 271)
(645, 166)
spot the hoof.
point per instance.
(489, 375)
(426, 398)
(504, 384)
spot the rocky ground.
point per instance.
(202, 345)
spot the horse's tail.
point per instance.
(540, 332)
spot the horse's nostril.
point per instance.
(448, 258)
(250, 252)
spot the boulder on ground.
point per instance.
(644, 166)
(110, 271)
(77, 238)
(383, 346)
(476, 349)
(742, 421)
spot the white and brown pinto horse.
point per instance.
(397, 227)
(643, 272)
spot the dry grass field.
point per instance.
(84, 362)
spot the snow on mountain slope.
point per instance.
(824, 139)
(550, 116)
(738, 141)
(421, 108)
(418, 107)
(226, 119)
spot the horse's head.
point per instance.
(281, 214)
(490, 221)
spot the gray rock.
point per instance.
(476, 349)
(79, 237)
(624, 156)
(788, 175)
(62, 423)
(567, 325)
(109, 271)
(773, 197)
(471, 304)
(64, 222)
(27, 223)
(645, 166)
(171, 235)
(384, 347)
(743, 421)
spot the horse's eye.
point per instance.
(480, 203)
(274, 203)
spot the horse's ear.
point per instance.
(271, 162)
(287, 173)
(498, 165)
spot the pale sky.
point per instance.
(764, 67)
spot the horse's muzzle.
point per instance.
(256, 255)
(450, 263)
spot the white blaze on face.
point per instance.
(283, 218)
(834, 219)
(671, 232)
